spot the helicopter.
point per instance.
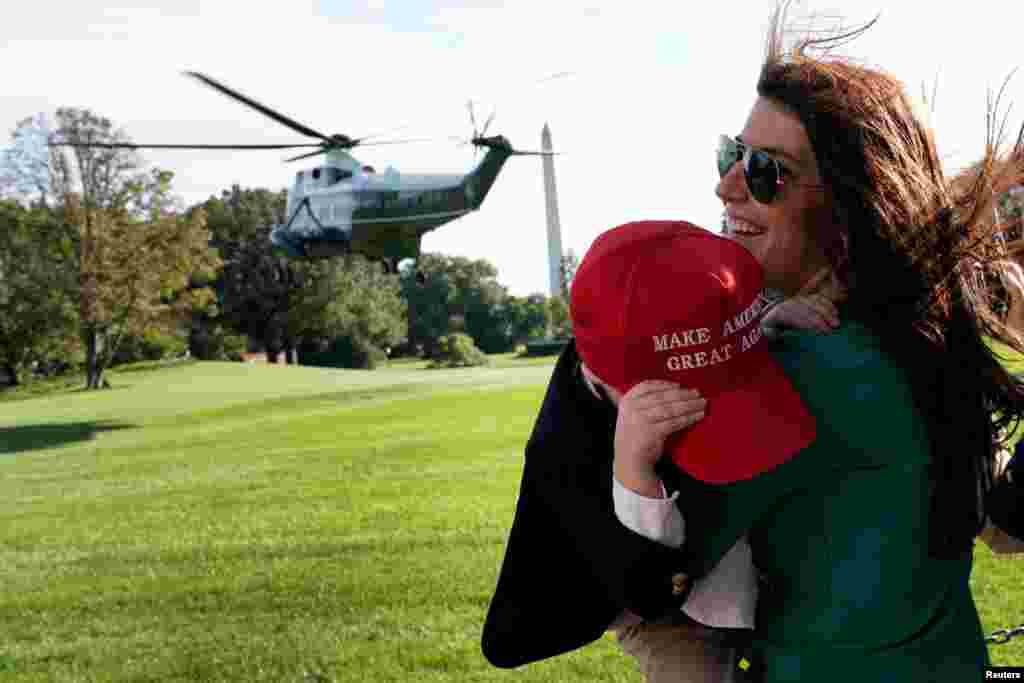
(344, 206)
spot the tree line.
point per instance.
(101, 263)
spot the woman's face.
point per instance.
(778, 234)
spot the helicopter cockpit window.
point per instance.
(336, 175)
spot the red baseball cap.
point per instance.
(669, 300)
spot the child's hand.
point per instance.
(810, 312)
(648, 414)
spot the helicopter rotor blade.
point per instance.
(131, 145)
(322, 150)
(326, 148)
(263, 109)
(472, 117)
(392, 142)
(362, 140)
(487, 124)
(517, 153)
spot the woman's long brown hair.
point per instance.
(913, 250)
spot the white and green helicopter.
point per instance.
(344, 206)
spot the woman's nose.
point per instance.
(732, 186)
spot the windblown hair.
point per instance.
(912, 250)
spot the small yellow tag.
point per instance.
(744, 663)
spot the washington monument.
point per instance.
(554, 230)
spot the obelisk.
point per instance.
(554, 229)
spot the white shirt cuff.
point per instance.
(655, 518)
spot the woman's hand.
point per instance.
(811, 312)
(648, 414)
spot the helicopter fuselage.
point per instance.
(339, 207)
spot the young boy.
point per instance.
(686, 309)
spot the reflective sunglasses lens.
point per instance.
(762, 174)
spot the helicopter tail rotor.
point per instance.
(478, 133)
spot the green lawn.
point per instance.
(231, 522)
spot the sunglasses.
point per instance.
(763, 173)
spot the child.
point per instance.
(664, 301)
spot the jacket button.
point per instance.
(679, 582)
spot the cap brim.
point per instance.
(747, 430)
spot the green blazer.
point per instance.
(840, 532)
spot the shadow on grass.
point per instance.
(34, 437)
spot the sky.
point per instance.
(653, 85)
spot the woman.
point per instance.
(864, 539)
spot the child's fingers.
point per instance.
(826, 312)
(659, 389)
(826, 308)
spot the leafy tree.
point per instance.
(134, 276)
(37, 320)
(24, 165)
(128, 256)
(457, 295)
(213, 341)
(149, 346)
(428, 302)
(256, 287)
(559, 322)
(526, 317)
(284, 302)
(101, 177)
(363, 302)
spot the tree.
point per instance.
(526, 317)
(364, 303)
(428, 302)
(559, 322)
(457, 295)
(256, 286)
(24, 165)
(101, 177)
(285, 302)
(134, 276)
(130, 256)
(37, 320)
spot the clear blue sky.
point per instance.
(655, 84)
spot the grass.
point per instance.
(231, 522)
